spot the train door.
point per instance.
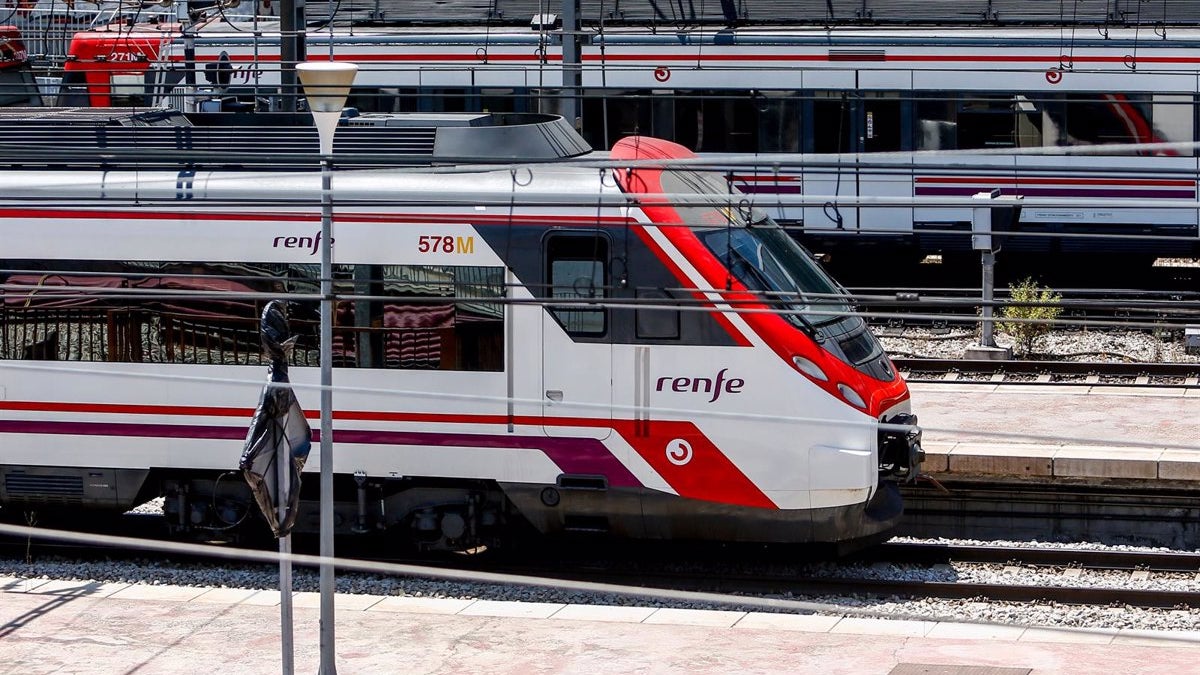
(828, 122)
(882, 127)
(576, 344)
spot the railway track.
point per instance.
(859, 581)
(1104, 559)
(864, 575)
(1080, 373)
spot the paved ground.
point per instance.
(72, 629)
(1054, 415)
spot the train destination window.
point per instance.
(387, 316)
(577, 269)
(657, 323)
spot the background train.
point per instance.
(553, 345)
(1027, 110)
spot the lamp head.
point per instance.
(326, 84)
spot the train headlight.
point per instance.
(809, 368)
(851, 396)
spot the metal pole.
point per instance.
(284, 477)
(570, 61)
(328, 665)
(989, 264)
(326, 86)
(981, 240)
(189, 56)
(292, 50)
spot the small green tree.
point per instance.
(1035, 307)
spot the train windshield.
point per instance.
(756, 251)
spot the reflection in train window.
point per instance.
(426, 317)
(577, 269)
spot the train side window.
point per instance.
(830, 122)
(577, 269)
(656, 323)
(610, 115)
(500, 101)
(439, 317)
(999, 121)
(778, 121)
(936, 125)
(1117, 118)
(718, 121)
(386, 316)
(1173, 117)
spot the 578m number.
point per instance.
(434, 243)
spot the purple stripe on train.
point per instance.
(770, 189)
(1127, 193)
(571, 455)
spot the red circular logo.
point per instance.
(1054, 75)
(662, 73)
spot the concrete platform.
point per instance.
(1048, 433)
(95, 628)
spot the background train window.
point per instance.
(609, 115)
(1117, 118)
(998, 121)
(500, 100)
(451, 100)
(577, 268)
(778, 121)
(830, 122)
(936, 126)
(1174, 118)
(717, 121)
(383, 99)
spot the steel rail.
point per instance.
(1107, 559)
(800, 586)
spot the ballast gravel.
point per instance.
(1065, 345)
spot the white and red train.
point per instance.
(509, 345)
(1014, 104)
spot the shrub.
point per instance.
(1035, 309)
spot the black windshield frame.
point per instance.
(756, 251)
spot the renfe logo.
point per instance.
(313, 244)
(697, 384)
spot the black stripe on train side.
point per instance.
(634, 274)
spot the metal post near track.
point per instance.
(285, 571)
(326, 85)
(981, 240)
(984, 219)
(277, 446)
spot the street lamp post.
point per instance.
(326, 85)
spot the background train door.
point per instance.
(850, 125)
(576, 347)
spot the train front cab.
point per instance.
(867, 438)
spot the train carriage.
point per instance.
(559, 344)
(880, 112)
